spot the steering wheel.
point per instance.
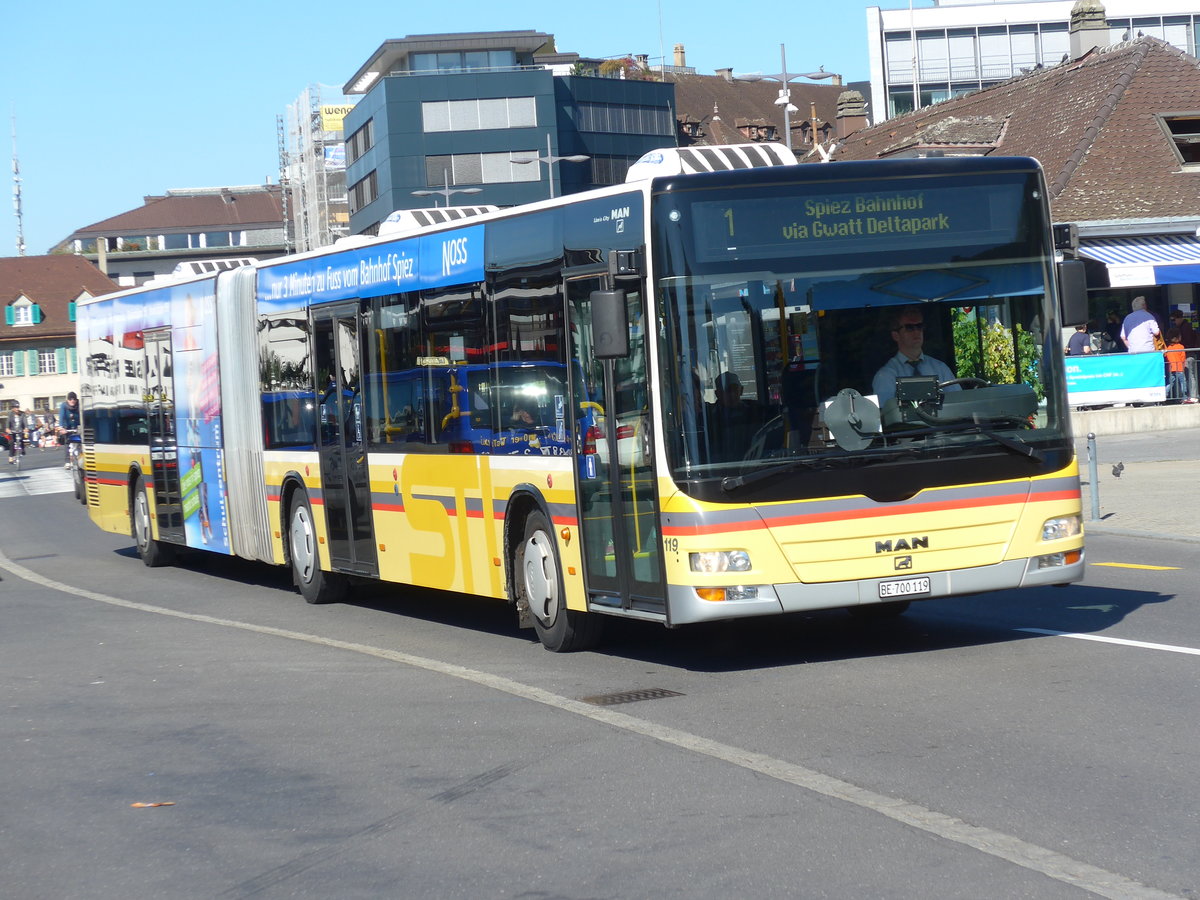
(966, 383)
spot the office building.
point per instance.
(492, 114)
(926, 55)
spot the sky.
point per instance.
(113, 102)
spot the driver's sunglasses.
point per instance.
(911, 326)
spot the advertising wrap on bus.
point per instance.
(406, 265)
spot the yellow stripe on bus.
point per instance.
(1137, 566)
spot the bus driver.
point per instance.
(908, 331)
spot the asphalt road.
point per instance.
(416, 744)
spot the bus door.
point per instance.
(618, 509)
(159, 397)
(341, 444)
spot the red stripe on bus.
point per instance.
(850, 515)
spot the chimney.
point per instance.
(680, 57)
(1089, 27)
(851, 113)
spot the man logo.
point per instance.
(903, 562)
(916, 543)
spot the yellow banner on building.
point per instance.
(332, 116)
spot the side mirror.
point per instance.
(610, 325)
(1072, 292)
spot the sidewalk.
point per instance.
(1157, 491)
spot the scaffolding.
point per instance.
(313, 166)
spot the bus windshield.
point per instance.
(822, 327)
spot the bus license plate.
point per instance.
(905, 587)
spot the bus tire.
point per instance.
(153, 553)
(539, 584)
(315, 584)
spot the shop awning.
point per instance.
(1148, 259)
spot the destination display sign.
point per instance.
(856, 221)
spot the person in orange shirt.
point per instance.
(1176, 377)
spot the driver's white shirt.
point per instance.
(884, 382)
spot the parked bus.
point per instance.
(353, 412)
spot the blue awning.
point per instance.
(1148, 259)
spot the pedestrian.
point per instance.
(1187, 334)
(1110, 338)
(1080, 342)
(1140, 328)
(1175, 356)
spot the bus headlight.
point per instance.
(713, 561)
(1062, 527)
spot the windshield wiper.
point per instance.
(1016, 445)
(733, 482)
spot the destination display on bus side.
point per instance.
(855, 221)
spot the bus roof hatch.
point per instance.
(405, 221)
(718, 158)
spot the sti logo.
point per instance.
(895, 546)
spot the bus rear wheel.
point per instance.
(153, 553)
(539, 585)
(315, 585)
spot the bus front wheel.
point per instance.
(315, 585)
(153, 553)
(540, 586)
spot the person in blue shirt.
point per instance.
(908, 331)
(68, 422)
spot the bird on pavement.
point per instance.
(1118, 469)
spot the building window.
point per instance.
(480, 168)
(363, 192)
(479, 115)
(22, 312)
(7, 366)
(47, 362)
(460, 60)
(612, 118)
(361, 141)
(1184, 131)
(610, 169)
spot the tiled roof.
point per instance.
(698, 96)
(52, 282)
(256, 207)
(1091, 122)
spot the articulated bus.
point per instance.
(659, 400)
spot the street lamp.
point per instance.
(550, 159)
(446, 191)
(785, 95)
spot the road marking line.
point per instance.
(1136, 566)
(1100, 639)
(1003, 846)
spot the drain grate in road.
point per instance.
(630, 696)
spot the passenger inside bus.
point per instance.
(732, 420)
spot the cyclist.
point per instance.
(17, 423)
(68, 424)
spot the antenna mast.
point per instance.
(16, 167)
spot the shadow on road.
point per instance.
(746, 644)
